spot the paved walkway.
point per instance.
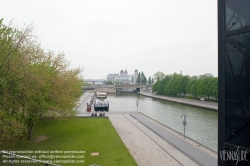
(147, 148)
(196, 103)
(82, 103)
(195, 154)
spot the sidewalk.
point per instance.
(195, 154)
(196, 103)
(155, 146)
(146, 147)
(82, 103)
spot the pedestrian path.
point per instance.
(192, 102)
(198, 156)
(82, 103)
(147, 148)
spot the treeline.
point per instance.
(34, 85)
(141, 79)
(205, 86)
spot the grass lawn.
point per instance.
(77, 134)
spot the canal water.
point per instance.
(201, 125)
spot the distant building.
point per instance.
(123, 77)
(111, 77)
(135, 76)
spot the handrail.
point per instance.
(38, 161)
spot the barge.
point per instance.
(101, 102)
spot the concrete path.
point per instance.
(198, 156)
(147, 148)
(196, 103)
(82, 103)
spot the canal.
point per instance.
(201, 125)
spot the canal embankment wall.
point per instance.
(196, 103)
(105, 90)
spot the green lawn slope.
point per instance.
(78, 135)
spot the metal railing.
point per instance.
(13, 156)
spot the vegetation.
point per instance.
(159, 76)
(152, 80)
(88, 134)
(109, 83)
(34, 85)
(138, 81)
(182, 86)
(141, 79)
(149, 80)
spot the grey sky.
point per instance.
(106, 36)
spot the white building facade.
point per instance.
(111, 77)
(123, 78)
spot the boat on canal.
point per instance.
(101, 102)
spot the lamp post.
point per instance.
(184, 119)
(137, 103)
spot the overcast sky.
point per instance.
(107, 36)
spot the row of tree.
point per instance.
(179, 85)
(34, 85)
(141, 79)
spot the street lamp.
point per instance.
(137, 103)
(184, 119)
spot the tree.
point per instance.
(214, 87)
(182, 85)
(179, 85)
(155, 87)
(159, 86)
(34, 84)
(203, 87)
(12, 65)
(138, 81)
(171, 87)
(192, 88)
(109, 83)
(52, 90)
(152, 81)
(159, 76)
(149, 80)
(143, 78)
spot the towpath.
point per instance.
(192, 102)
(82, 103)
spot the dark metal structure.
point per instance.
(234, 82)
